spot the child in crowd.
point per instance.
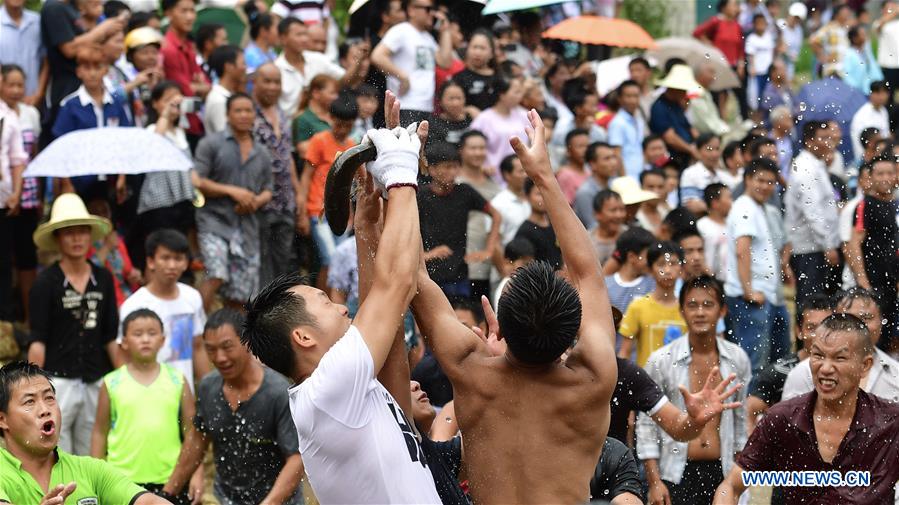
(111, 253)
(652, 212)
(610, 216)
(760, 48)
(713, 227)
(631, 280)
(143, 409)
(702, 173)
(572, 174)
(672, 181)
(731, 174)
(518, 253)
(538, 230)
(315, 110)
(367, 104)
(179, 306)
(655, 319)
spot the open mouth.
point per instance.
(48, 428)
(827, 384)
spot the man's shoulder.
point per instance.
(273, 381)
(782, 412)
(734, 351)
(209, 384)
(189, 294)
(101, 274)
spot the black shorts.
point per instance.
(23, 248)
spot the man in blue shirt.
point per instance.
(627, 129)
(20, 43)
(668, 118)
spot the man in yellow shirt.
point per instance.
(655, 319)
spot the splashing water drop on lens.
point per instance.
(802, 106)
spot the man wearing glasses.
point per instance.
(408, 54)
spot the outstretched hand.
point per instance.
(709, 401)
(534, 159)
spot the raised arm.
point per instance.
(396, 262)
(596, 339)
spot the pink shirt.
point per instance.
(12, 151)
(569, 181)
(498, 129)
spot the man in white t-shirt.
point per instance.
(541, 317)
(408, 53)
(178, 305)
(352, 393)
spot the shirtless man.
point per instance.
(359, 446)
(534, 424)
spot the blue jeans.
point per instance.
(751, 325)
(780, 332)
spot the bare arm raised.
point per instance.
(596, 339)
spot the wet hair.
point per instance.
(661, 249)
(633, 240)
(169, 4)
(345, 108)
(142, 313)
(650, 139)
(843, 322)
(814, 301)
(758, 165)
(507, 164)
(706, 282)
(441, 152)
(649, 172)
(639, 60)
(285, 24)
(519, 248)
(469, 134)
(705, 139)
(877, 86)
(235, 97)
(12, 373)
(713, 192)
(171, 239)
(539, 314)
(678, 219)
(602, 197)
(574, 133)
(590, 156)
(464, 303)
(113, 8)
(205, 33)
(221, 56)
(271, 318)
(846, 298)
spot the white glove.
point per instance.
(397, 161)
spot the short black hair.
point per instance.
(759, 16)
(8, 68)
(518, 248)
(730, 149)
(529, 186)
(590, 155)
(168, 4)
(639, 60)
(626, 83)
(271, 318)
(662, 249)
(539, 314)
(258, 20)
(755, 146)
(879, 86)
(366, 89)
(650, 139)
(205, 33)
(848, 297)
(575, 93)
(12, 373)
(704, 139)
(113, 8)
(706, 282)
(842, 322)
(814, 301)
(141, 313)
(678, 237)
(465, 303)
(235, 97)
(447, 85)
(633, 240)
(345, 108)
(678, 219)
(868, 134)
(758, 165)
(441, 152)
(507, 164)
(469, 134)
(549, 112)
(574, 133)
(226, 316)
(602, 197)
(221, 56)
(650, 172)
(713, 192)
(171, 239)
(810, 130)
(285, 24)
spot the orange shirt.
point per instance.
(320, 153)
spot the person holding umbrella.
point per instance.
(74, 318)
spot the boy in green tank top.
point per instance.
(142, 408)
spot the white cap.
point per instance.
(799, 10)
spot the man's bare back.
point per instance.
(531, 435)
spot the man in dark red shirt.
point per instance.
(179, 59)
(837, 427)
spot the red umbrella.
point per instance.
(601, 31)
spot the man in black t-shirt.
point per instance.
(444, 206)
(538, 230)
(616, 474)
(62, 32)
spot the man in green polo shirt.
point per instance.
(32, 469)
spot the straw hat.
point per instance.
(799, 10)
(631, 192)
(68, 210)
(681, 77)
(142, 37)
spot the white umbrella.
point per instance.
(96, 151)
(695, 53)
(611, 73)
(497, 6)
